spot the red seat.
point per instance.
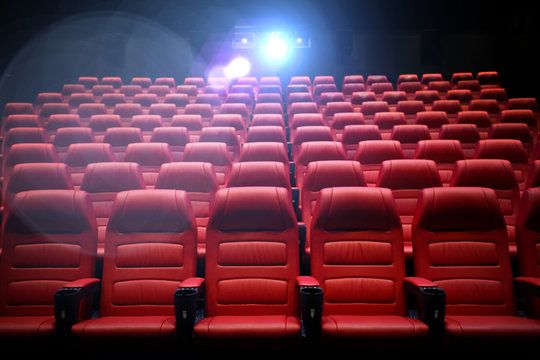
(100, 123)
(111, 100)
(517, 131)
(440, 86)
(150, 157)
(114, 81)
(67, 136)
(231, 120)
(215, 153)
(189, 90)
(467, 134)
(406, 179)
(459, 76)
(353, 79)
(120, 138)
(268, 120)
(360, 97)
(43, 98)
(17, 108)
(86, 111)
(236, 109)
(428, 97)
(498, 94)
(387, 120)
(432, 119)
(326, 174)
(193, 123)
(50, 109)
(77, 99)
(333, 108)
(302, 108)
(452, 224)
(179, 100)
(451, 107)
(127, 111)
(319, 89)
(341, 120)
(328, 97)
(410, 87)
(266, 134)
(195, 80)
(97, 90)
(371, 154)
(523, 104)
(506, 149)
(146, 123)
(145, 99)
(323, 79)
(23, 135)
(150, 250)
(20, 120)
(210, 99)
(427, 78)
(204, 110)
(165, 81)
(69, 89)
(58, 121)
(353, 134)
(131, 90)
(472, 85)
(80, 155)
(270, 80)
(380, 87)
(489, 105)
(251, 299)
(300, 80)
(409, 136)
(533, 175)
(299, 97)
(310, 133)
(260, 173)
(445, 153)
(488, 78)
(357, 255)
(159, 90)
(479, 118)
(218, 134)
(248, 80)
(198, 180)
(410, 107)
(102, 182)
(316, 151)
(264, 151)
(141, 81)
(464, 96)
(270, 89)
(28, 153)
(497, 175)
(393, 97)
(374, 79)
(407, 78)
(176, 137)
(268, 108)
(370, 108)
(88, 81)
(519, 116)
(49, 241)
(166, 111)
(219, 90)
(263, 98)
(350, 88)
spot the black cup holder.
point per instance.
(185, 306)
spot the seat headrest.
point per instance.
(448, 106)
(353, 134)
(148, 154)
(408, 174)
(174, 136)
(267, 119)
(373, 107)
(387, 120)
(84, 154)
(490, 173)
(222, 134)
(433, 119)
(335, 107)
(145, 99)
(333, 173)
(112, 177)
(88, 110)
(39, 176)
(163, 109)
(301, 120)
(461, 95)
(518, 116)
(122, 136)
(356, 209)
(479, 118)
(489, 105)
(58, 121)
(350, 118)
(235, 210)
(146, 122)
(440, 151)
(459, 209)
(329, 97)
(266, 134)
(523, 103)
(263, 151)
(21, 120)
(74, 135)
(31, 153)
(259, 173)
(228, 120)
(24, 135)
(320, 151)
(103, 122)
(128, 110)
(187, 176)
(410, 107)
(376, 151)
(151, 211)
(50, 212)
(189, 90)
(312, 133)
(427, 96)
(179, 100)
(360, 97)
(205, 110)
(508, 149)
(410, 134)
(215, 153)
(190, 122)
(529, 210)
(466, 133)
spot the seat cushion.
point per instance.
(372, 327)
(492, 326)
(255, 327)
(26, 326)
(127, 327)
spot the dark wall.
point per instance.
(48, 43)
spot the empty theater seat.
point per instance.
(259, 173)
(28, 153)
(519, 116)
(450, 225)
(102, 181)
(80, 155)
(357, 257)
(533, 175)
(498, 175)
(49, 243)
(223, 134)
(23, 135)
(150, 250)
(467, 134)
(72, 135)
(251, 299)
(212, 152)
(198, 180)
(371, 154)
(264, 151)
(150, 157)
(445, 153)
(20, 120)
(316, 151)
(310, 133)
(120, 138)
(406, 179)
(266, 134)
(176, 137)
(354, 134)
(409, 136)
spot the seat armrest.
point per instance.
(73, 303)
(292, 173)
(430, 300)
(185, 307)
(530, 289)
(311, 304)
(296, 202)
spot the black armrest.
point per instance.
(292, 173)
(431, 302)
(73, 302)
(311, 303)
(530, 289)
(296, 203)
(185, 307)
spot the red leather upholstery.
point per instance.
(251, 268)
(211, 99)
(14, 108)
(28, 153)
(427, 78)
(329, 97)
(357, 255)
(372, 107)
(440, 86)
(267, 120)
(451, 107)
(103, 122)
(427, 96)
(373, 79)
(465, 133)
(22, 135)
(407, 78)
(393, 97)
(353, 134)
(341, 120)
(58, 121)
(464, 96)
(460, 243)
(479, 118)
(266, 134)
(387, 120)
(120, 138)
(319, 89)
(128, 110)
(86, 111)
(316, 151)
(191, 122)
(113, 81)
(523, 103)
(145, 99)
(409, 136)
(225, 135)
(507, 149)
(69, 89)
(194, 80)
(150, 250)
(80, 155)
(102, 181)
(472, 85)
(135, 88)
(336, 107)
(444, 152)
(360, 97)
(259, 173)
(146, 122)
(88, 81)
(516, 131)
(263, 98)
(410, 107)
(459, 76)
(198, 180)
(49, 240)
(205, 110)
(165, 81)
(264, 151)
(230, 120)
(72, 135)
(432, 119)
(82, 98)
(179, 100)
(410, 87)
(406, 179)
(488, 77)
(491, 106)
(50, 109)
(302, 108)
(498, 175)
(348, 79)
(149, 156)
(519, 116)
(20, 120)
(97, 90)
(214, 153)
(190, 90)
(323, 79)
(310, 133)
(268, 108)
(326, 174)
(381, 87)
(176, 137)
(498, 94)
(533, 175)
(372, 153)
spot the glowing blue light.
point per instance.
(244, 41)
(276, 47)
(238, 67)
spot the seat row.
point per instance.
(253, 293)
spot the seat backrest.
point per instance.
(141, 81)
(128, 110)
(405, 174)
(448, 106)
(357, 252)
(519, 116)
(381, 87)
(393, 97)
(73, 135)
(266, 134)
(179, 100)
(320, 151)
(259, 173)
(49, 239)
(58, 121)
(300, 120)
(508, 149)
(190, 122)
(174, 136)
(373, 107)
(533, 175)
(205, 110)
(464, 96)
(432, 119)
(264, 151)
(491, 106)
(360, 97)
(408, 134)
(376, 151)
(427, 78)
(267, 120)
(79, 155)
(517, 131)
(528, 233)
(343, 119)
(427, 96)
(464, 133)
(150, 248)
(20, 120)
(212, 152)
(440, 151)
(112, 177)
(252, 253)
(23, 135)
(28, 153)
(268, 108)
(387, 120)
(104, 121)
(122, 136)
(479, 118)
(146, 122)
(335, 107)
(410, 107)
(88, 110)
(460, 243)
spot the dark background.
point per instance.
(47, 43)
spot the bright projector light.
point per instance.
(238, 67)
(276, 48)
